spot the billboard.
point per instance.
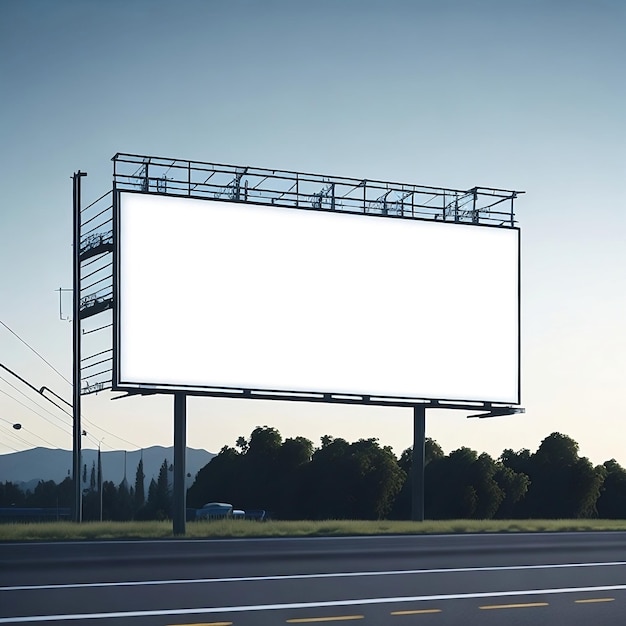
(222, 295)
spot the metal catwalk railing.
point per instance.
(478, 205)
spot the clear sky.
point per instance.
(455, 93)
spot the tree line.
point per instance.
(121, 502)
(364, 480)
(293, 479)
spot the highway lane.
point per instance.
(448, 579)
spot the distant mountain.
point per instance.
(28, 467)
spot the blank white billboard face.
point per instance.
(241, 296)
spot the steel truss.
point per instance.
(178, 177)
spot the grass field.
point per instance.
(69, 531)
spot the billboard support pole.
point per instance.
(418, 463)
(76, 356)
(180, 445)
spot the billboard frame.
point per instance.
(147, 179)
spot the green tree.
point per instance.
(290, 494)
(264, 442)
(222, 479)
(109, 500)
(468, 485)
(294, 452)
(379, 476)
(122, 509)
(562, 484)
(149, 509)
(152, 491)
(65, 492)
(432, 452)
(557, 450)
(11, 495)
(44, 494)
(262, 473)
(261, 489)
(92, 479)
(162, 504)
(326, 440)
(521, 464)
(139, 495)
(514, 486)
(489, 493)
(357, 481)
(328, 481)
(520, 461)
(450, 493)
(612, 500)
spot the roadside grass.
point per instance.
(217, 529)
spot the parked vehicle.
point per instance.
(258, 515)
(223, 510)
(215, 510)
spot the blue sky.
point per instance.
(454, 93)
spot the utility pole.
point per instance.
(76, 356)
(417, 466)
(180, 445)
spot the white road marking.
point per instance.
(525, 605)
(304, 605)
(416, 612)
(196, 581)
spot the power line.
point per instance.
(8, 433)
(91, 424)
(65, 379)
(38, 436)
(31, 409)
(87, 421)
(35, 351)
(11, 434)
(93, 440)
(49, 412)
(24, 441)
(43, 408)
(6, 445)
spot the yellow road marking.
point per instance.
(416, 612)
(338, 618)
(590, 600)
(512, 606)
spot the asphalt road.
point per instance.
(397, 581)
